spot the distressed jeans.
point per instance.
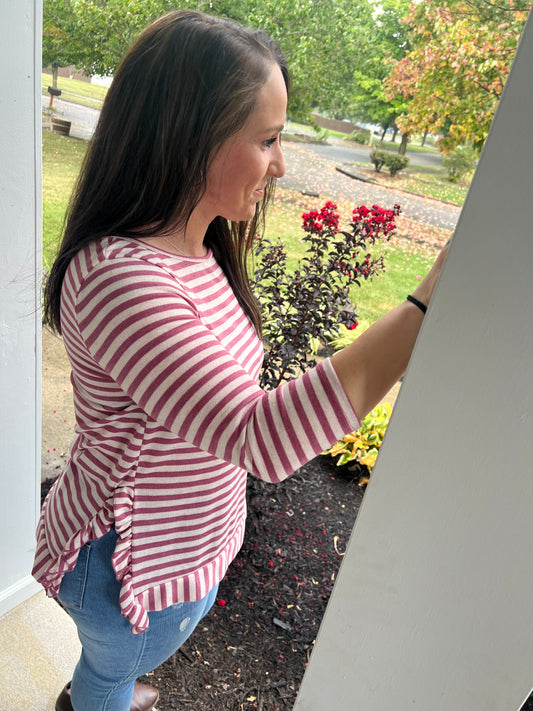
(112, 657)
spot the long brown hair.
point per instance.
(188, 83)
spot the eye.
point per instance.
(270, 142)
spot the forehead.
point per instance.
(271, 101)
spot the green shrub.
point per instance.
(459, 162)
(395, 162)
(378, 158)
(361, 136)
(363, 445)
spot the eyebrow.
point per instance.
(275, 129)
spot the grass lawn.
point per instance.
(431, 183)
(427, 182)
(435, 185)
(81, 92)
(372, 299)
(62, 157)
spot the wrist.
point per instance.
(423, 292)
(417, 302)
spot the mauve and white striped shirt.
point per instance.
(169, 419)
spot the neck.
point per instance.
(182, 247)
(188, 241)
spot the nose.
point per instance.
(277, 163)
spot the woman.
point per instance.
(150, 294)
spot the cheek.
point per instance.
(235, 175)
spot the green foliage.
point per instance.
(57, 20)
(386, 40)
(460, 162)
(362, 446)
(395, 162)
(322, 47)
(101, 32)
(378, 158)
(316, 38)
(321, 133)
(348, 335)
(454, 73)
(94, 35)
(362, 137)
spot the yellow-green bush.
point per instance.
(362, 446)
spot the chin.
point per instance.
(244, 215)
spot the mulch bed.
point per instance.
(250, 652)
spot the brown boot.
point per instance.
(144, 698)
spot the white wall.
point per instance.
(20, 346)
(433, 607)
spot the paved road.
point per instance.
(311, 168)
(342, 152)
(83, 118)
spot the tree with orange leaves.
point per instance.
(454, 74)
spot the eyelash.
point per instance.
(271, 141)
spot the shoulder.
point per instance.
(115, 254)
(112, 270)
(125, 260)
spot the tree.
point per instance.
(323, 40)
(104, 29)
(387, 40)
(93, 35)
(58, 51)
(455, 72)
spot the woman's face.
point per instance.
(239, 172)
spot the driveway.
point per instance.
(311, 168)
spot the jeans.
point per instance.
(112, 657)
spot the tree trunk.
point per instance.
(395, 133)
(423, 143)
(403, 144)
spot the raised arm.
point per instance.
(370, 366)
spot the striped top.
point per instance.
(169, 419)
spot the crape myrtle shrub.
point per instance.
(312, 303)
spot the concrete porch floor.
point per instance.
(39, 649)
